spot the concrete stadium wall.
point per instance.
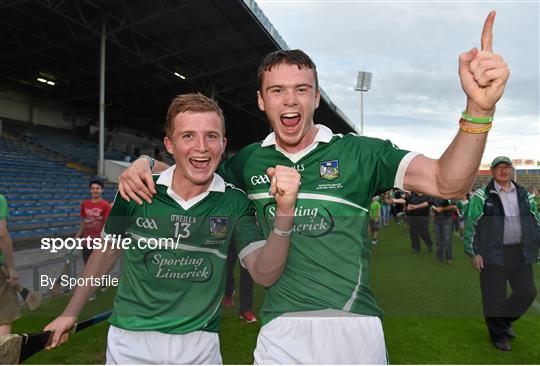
(528, 180)
(125, 141)
(21, 107)
(13, 107)
(114, 168)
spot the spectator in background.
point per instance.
(443, 223)
(455, 219)
(417, 208)
(534, 192)
(462, 206)
(374, 218)
(9, 307)
(246, 288)
(502, 237)
(397, 209)
(94, 213)
(386, 206)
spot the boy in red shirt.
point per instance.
(94, 213)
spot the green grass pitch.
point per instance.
(433, 315)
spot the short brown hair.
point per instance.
(291, 57)
(193, 102)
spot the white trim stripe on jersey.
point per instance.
(248, 249)
(402, 169)
(187, 247)
(310, 196)
(350, 302)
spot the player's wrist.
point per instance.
(283, 233)
(149, 159)
(283, 223)
(69, 314)
(475, 111)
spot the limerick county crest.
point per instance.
(218, 226)
(329, 169)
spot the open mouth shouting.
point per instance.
(290, 119)
(199, 162)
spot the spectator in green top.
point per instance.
(532, 190)
(374, 218)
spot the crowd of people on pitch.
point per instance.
(415, 211)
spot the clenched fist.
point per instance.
(284, 186)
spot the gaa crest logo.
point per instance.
(329, 169)
(218, 226)
(146, 223)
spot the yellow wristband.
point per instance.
(476, 130)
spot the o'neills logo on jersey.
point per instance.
(329, 169)
(218, 226)
(146, 223)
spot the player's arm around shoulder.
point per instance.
(136, 181)
(266, 263)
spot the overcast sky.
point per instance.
(412, 48)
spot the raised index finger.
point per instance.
(487, 33)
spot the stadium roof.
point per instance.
(213, 46)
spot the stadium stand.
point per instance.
(74, 149)
(43, 194)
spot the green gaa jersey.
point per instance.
(329, 257)
(4, 214)
(177, 287)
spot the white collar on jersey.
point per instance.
(166, 178)
(324, 134)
